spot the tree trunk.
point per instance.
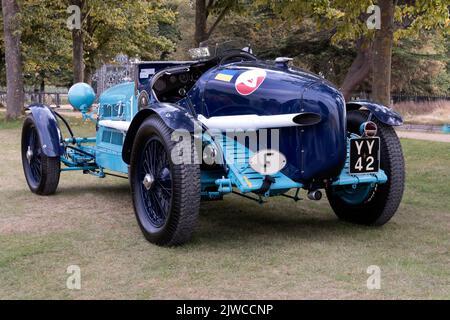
(42, 89)
(359, 70)
(201, 16)
(88, 74)
(78, 49)
(42, 84)
(13, 59)
(382, 54)
(217, 22)
(35, 98)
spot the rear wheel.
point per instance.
(366, 204)
(165, 191)
(41, 172)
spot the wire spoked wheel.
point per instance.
(165, 191)
(41, 172)
(156, 187)
(33, 155)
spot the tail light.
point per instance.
(368, 129)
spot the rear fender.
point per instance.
(382, 113)
(174, 116)
(48, 129)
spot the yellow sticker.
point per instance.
(248, 181)
(224, 77)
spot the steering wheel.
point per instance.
(240, 54)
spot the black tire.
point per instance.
(41, 172)
(166, 216)
(383, 201)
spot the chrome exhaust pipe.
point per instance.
(256, 122)
(315, 195)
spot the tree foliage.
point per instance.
(323, 35)
(46, 45)
(421, 65)
(212, 13)
(346, 20)
(274, 34)
(349, 17)
(136, 28)
(130, 27)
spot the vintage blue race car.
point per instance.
(223, 123)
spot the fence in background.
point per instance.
(54, 99)
(430, 128)
(111, 74)
(417, 98)
(399, 97)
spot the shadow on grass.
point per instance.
(117, 190)
(240, 222)
(229, 222)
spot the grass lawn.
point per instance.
(282, 250)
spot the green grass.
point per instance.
(9, 124)
(282, 250)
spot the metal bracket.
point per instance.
(296, 198)
(259, 199)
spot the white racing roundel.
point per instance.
(268, 162)
(249, 81)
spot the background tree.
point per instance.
(130, 27)
(348, 20)
(420, 66)
(46, 58)
(13, 59)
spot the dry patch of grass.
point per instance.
(428, 112)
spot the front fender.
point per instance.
(48, 129)
(174, 116)
(382, 113)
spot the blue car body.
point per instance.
(316, 153)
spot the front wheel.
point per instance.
(165, 191)
(41, 172)
(372, 205)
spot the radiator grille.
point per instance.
(112, 137)
(111, 111)
(106, 136)
(117, 138)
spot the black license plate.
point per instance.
(364, 155)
